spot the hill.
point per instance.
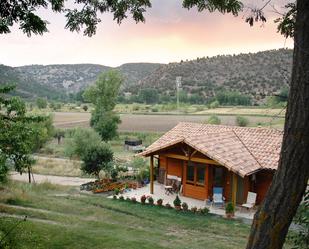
(256, 74)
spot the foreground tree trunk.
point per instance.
(273, 218)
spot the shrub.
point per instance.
(204, 210)
(150, 200)
(214, 104)
(167, 205)
(121, 198)
(97, 158)
(242, 121)
(117, 191)
(213, 119)
(194, 209)
(143, 199)
(133, 199)
(177, 201)
(128, 199)
(159, 202)
(229, 208)
(114, 197)
(184, 206)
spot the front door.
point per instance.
(195, 184)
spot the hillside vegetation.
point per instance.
(255, 75)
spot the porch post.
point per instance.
(151, 174)
(234, 189)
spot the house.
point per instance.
(203, 156)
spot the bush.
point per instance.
(159, 202)
(167, 205)
(143, 199)
(117, 191)
(194, 209)
(229, 208)
(214, 104)
(242, 121)
(41, 103)
(121, 198)
(177, 201)
(97, 158)
(204, 210)
(133, 199)
(213, 119)
(150, 200)
(184, 206)
(80, 140)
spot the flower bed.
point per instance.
(106, 185)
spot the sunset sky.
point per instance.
(170, 34)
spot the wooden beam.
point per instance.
(234, 189)
(193, 153)
(151, 174)
(193, 159)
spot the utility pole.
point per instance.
(178, 86)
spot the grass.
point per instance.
(60, 217)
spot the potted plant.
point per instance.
(184, 206)
(133, 199)
(116, 190)
(177, 203)
(193, 209)
(143, 199)
(229, 210)
(167, 205)
(160, 202)
(150, 200)
(121, 198)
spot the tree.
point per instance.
(79, 140)
(149, 95)
(97, 158)
(85, 108)
(274, 216)
(16, 136)
(41, 103)
(106, 124)
(104, 96)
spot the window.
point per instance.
(200, 172)
(190, 173)
(196, 174)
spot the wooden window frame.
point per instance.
(195, 182)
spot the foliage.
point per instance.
(160, 202)
(85, 108)
(143, 199)
(106, 124)
(184, 206)
(233, 98)
(229, 208)
(149, 95)
(177, 201)
(204, 210)
(79, 140)
(41, 103)
(242, 121)
(97, 158)
(42, 132)
(286, 23)
(214, 104)
(214, 119)
(103, 95)
(150, 200)
(300, 237)
(16, 134)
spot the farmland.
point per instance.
(163, 122)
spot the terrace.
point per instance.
(159, 193)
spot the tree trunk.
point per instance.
(29, 174)
(273, 218)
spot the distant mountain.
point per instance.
(256, 74)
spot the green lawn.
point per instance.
(61, 217)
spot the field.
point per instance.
(164, 122)
(61, 217)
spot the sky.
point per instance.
(170, 34)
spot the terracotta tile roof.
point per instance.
(243, 150)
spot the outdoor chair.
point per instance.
(217, 198)
(251, 199)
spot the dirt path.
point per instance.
(60, 180)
